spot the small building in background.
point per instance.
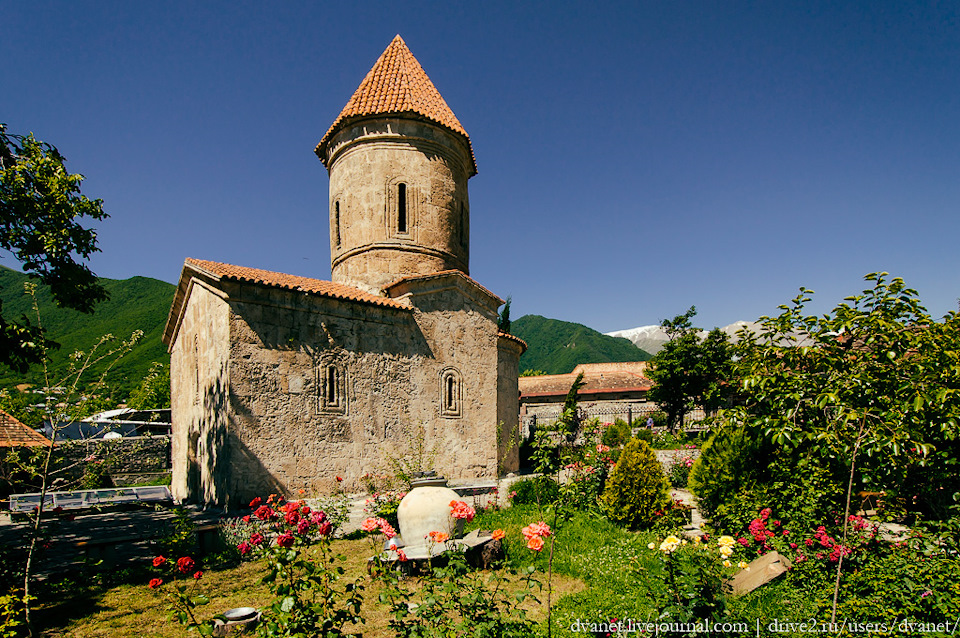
(611, 391)
(13, 433)
(122, 422)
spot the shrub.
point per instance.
(724, 466)
(540, 490)
(739, 473)
(616, 434)
(680, 470)
(587, 479)
(673, 517)
(636, 488)
(645, 434)
(671, 441)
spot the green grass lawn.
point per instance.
(600, 572)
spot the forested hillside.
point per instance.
(556, 347)
(138, 303)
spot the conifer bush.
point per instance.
(636, 488)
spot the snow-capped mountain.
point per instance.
(651, 338)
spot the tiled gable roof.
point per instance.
(397, 84)
(291, 282)
(13, 433)
(220, 271)
(443, 274)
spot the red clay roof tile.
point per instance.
(290, 282)
(510, 337)
(441, 274)
(610, 381)
(13, 433)
(397, 84)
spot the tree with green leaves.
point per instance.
(40, 212)
(873, 386)
(153, 393)
(690, 371)
(875, 383)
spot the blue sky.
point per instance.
(634, 158)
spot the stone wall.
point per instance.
(508, 403)
(198, 391)
(606, 411)
(129, 455)
(261, 418)
(368, 161)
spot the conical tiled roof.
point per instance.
(397, 84)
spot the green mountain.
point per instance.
(138, 303)
(556, 347)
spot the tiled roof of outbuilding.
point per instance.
(397, 84)
(607, 382)
(13, 433)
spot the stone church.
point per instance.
(281, 383)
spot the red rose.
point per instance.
(197, 575)
(159, 560)
(186, 564)
(155, 582)
(285, 540)
(255, 503)
(265, 513)
(325, 528)
(244, 548)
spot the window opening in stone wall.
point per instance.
(196, 370)
(401, 208)
(336, 223)
(332, 389)
(451, 393)
(463, 225)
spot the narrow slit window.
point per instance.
(451, 394)
(332, 383)
(336, 223)
(332, 395)
(401, 208)
(196, 369)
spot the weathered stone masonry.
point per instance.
(282, 383)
